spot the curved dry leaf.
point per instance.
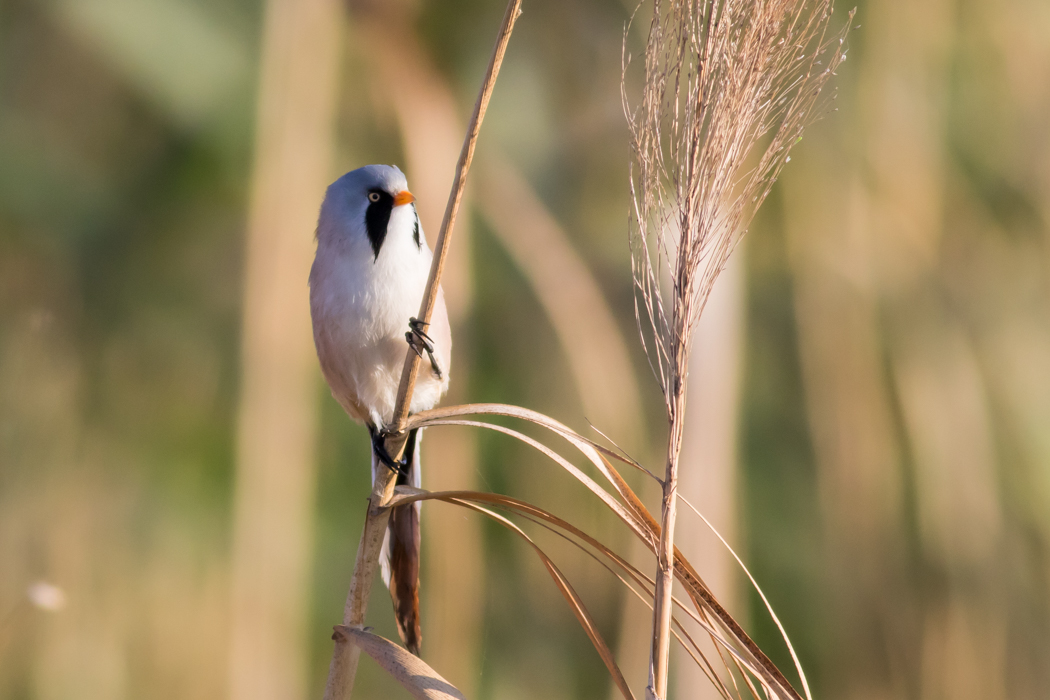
(407, 494)
(587, 447)
(570, 595)
(761, 594)
(407, 669)
(568, 292)
(646, 583)
(703, 598)
(633, 513)
(628, 518)
(470, 499)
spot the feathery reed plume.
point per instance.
(729, 88)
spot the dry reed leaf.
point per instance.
(593, 486)
(404, 495)
(633, 513)
(705, 601)
(408, 669)
(761, 594)
(470, 500)
(551, 523)
(717, 622)
(591, 450)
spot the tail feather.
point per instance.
(400, 555)
(404, 579)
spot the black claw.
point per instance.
(379, 449)
(420, 342)
(417, 327)
(418, 346)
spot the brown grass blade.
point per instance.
(587, 481)
(587, 447)
(635, 515)
(762, 595)
(566, 589)
(551, 523)
(408, 669)
(704, 599)
(473, 499)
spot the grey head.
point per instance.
(367, 197)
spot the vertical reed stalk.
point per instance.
(275, 480)
(728, 91)
(658, 657)
(345, 655)
(682, 311)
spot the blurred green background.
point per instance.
(870, 423)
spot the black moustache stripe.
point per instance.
(377, 216)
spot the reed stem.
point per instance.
(345, 655)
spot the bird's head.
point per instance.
(370, 203)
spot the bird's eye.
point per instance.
(373, 196)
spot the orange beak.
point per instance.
(403, 197)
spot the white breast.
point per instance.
(361, 306)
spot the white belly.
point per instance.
(361, 308)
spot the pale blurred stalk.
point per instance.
(849, 414)
(571, 298)
(870, 308)
(708, 479)
(273, 500)
(944, 407)
(709, 455)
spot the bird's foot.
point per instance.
(420, 342)
(379, 437)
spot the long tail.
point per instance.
(399, 559)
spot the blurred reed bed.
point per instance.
(902, 312)
(275, 480)
(121, 217)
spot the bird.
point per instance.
(367, 280)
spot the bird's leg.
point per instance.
(379, 437)
(419, 341)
